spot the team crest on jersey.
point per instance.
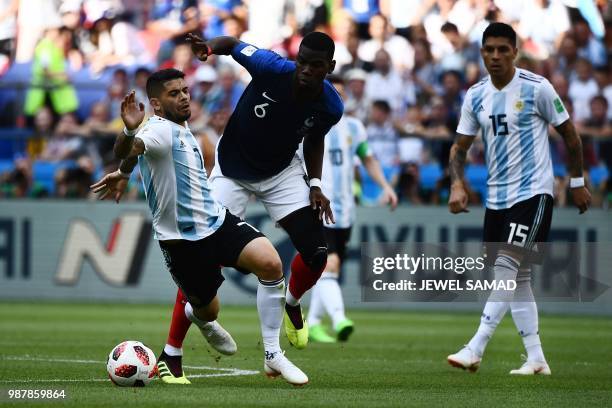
(519, 105)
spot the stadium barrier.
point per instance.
(99, 251)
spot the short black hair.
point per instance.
(155, 83)
(382, 105)
(449, 27)
(499, 30)
(318, 41)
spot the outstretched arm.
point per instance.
(458, 199)
(314, 148)
(373, 168)
(580, 194)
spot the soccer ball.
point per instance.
(131, 364)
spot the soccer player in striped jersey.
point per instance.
(344, 142)
(512, 108)
(195, 232)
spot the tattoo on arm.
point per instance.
(574, 147)
(456, 164)
(127, 165)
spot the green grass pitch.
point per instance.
(393, 359)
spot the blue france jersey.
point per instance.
(267, 126)
(514, 125)
(176, 184)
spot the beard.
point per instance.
(178, 117)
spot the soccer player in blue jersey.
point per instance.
(346, 141)
(285, 103)
(513, 108)
(195, 232)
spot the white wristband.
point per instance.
(576, 182)
(124, 175)
(129, 133)
(315, 182)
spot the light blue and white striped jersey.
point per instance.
(341, 144)
(514, 123)
(175, 182)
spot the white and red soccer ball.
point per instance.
(131, 364)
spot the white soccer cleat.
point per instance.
(465, 359)
(219, 338)
(532, 368)
(277, 364)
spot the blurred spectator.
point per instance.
(205, 78)
(8, 32)
(183, 60)
(424, 72)
(452, 96)
(602, 77)
(384, 83)
(19, 182)
(33, 19)
(357, 104)
(362, 12)
(210, 135)
(438, 13)
(382, 136)
(140, 85)
(589, 47)
(214, 12)
(352, 46)
(114, 41)
(400, 50)
(227, 92)
(49, 76)
(461, 55)
(74, 182)
(65, 143)
(343, 28)
(43, 130)
(116, 92)
(401, 15)
(542, 26)
(582, 89)
(561, 84)
(266, 22)
(567, 56)
(596, 132)
(170, 21)
(439, 129)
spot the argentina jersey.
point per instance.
(341, 144)
(268, 124)
(514, 123)
(175, 183)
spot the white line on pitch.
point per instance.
(225, 372)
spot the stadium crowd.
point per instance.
(65, 66)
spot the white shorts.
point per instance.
(281, 194)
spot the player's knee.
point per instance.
(271, 268)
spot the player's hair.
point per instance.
(499, 30)
(318, 41)
(155, 83)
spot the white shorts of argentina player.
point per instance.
(281, 194)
